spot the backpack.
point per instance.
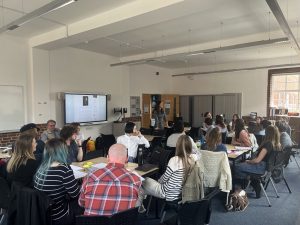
(238, 201)
(99, 143)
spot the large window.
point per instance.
(284, 89)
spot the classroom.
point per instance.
(128, 48)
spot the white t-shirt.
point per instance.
(132, 142)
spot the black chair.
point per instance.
(146, 131)
(4, 198)
(92, 155)
(156, 142)
(259, 138)
(224, 137)
(108, 140)
(127, 217)
(168, 132)
(290, 152)
(159, 133)
(194, 133)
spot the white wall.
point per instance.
(75, 70)
(14, 56)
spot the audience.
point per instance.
(285, 139)
(22, 165)
(56, 179)
(205, 125)
(209, 125)
(131, 139)
(75, 152)
(221, 124)
(169, 186)
(242, 137)
(179, 131)
(79, 135)
(111, 189)
(214, 141)
(258, 164)
(51, 132)
(33, 130)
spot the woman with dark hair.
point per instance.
(75, 152)
(22, 165)
(169, 186)
(79, 135)
(160, 116)
(242, 137)
(233, 121)
(131, 139)
(220, 123)
(56, 179)
(258, 164)
(207, 115)
(214, 141)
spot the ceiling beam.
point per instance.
(206, 51)
(276, 10)
(237, 70)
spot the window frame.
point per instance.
(275, 72)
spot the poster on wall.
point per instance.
(135, 106)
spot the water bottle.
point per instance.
(140, 156)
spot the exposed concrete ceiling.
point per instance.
(168, 31)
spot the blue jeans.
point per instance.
(242, 169)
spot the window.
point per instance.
(284, 89)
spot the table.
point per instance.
(150, 137)
(129, 166)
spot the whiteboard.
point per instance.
(12, 113)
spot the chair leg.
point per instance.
(264, 191)
(296, 161)
(163, 212)
(275, 189)
(287, 185)
(148, 206)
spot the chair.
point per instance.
(194, 133)
(259, 138)
(146, 131)
(108, 140)
(29, 206)
(224, 137)
(159, 133)
(4, 198)
(127, 217)
(290, 153)
(92, 155)
(156, 141)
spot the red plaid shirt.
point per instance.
(109, 190)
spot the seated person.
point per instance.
(232, 122)
(111, 189)
(221, 124)
(206, 115)
(75, 152)
(131, 139)
(33, 130)
(22, 165)
(285, 139)
(241, 137)
(51, 132)
(56, 179)
(79, 135)
(170, 184)
(264, 125)
(258, 164)
(178, 131)
(209, 125)
(214, 141)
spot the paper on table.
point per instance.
(99, 165)
(78, 174)
(242, 148)
(75, 168)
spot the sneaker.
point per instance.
(141, 209)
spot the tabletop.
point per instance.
(235, 151)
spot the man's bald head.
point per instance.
(117, 153)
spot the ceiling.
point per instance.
(164, 33)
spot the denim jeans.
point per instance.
(242, 169)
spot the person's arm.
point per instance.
(44, 137)
(259, 158)
(143, 140)
(80, 151)
(245, 139)
(70, 183)
(81, 199)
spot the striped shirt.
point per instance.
(109, 190)
(171, 181)
(57, 183)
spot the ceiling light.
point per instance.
(53, 5)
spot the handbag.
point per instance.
(238, 201)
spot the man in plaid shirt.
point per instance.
(111, 189)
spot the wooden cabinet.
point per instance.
(170, 105)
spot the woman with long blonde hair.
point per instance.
(169, 186)
(214, 141)
(22, 165)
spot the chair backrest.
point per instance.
(146, 131)
(168, 132)
(194, 133)
(4, 193)
(216, 170)
(224, 137)
(259, 138)
(194, 213)
(156, 141)
(127, 217)
(160, 133)
(164, 158)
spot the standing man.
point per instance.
(51, 132)
(111, 189)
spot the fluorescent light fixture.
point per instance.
(54, 5)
